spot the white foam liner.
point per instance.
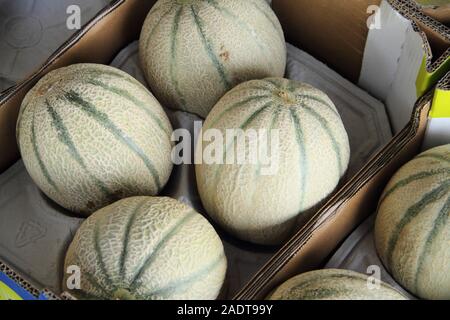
(30, 30)
(35, 233)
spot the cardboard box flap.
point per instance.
(437, 36)
(333, 31)
(128, 16)
(391, 31)
(415, 55)
(439, 13)
(347, 36)
(308, 249)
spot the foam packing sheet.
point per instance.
(30, 30)
(35, 233)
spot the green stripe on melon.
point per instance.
(141, 105)
(334, 284)
(147, 248)
(314, 155)
(245, 124)
(173, 60)
(64, 137)
(193, 52)
(38, 157)
(207, 43)
(412, 230)
(103, 119)
(91, 134)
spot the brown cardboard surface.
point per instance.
(441, 14)
(334, 31)
(308, 249)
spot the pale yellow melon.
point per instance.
(313, 155)
(412, 230)
(91, 134)
(194, 51)
(334, 284)
(147, 248)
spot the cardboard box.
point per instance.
(336, 32)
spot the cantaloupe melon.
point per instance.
(91, 134)
(147, 248)
(194, 51)
(334, 284)
(412, 230)
(313, 156)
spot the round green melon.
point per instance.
(334, 284)
(90, 135)
(147, 248)
(194, 51)
(412, 229)
(313, 154)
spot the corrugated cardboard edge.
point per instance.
(269, 275)
(13, 275)
(413, 12)
(67, 296)
(439, 13)
(444, 83)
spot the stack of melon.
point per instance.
(99, 144)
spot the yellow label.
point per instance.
(426, 80)
(441, 104)
(6, 293)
